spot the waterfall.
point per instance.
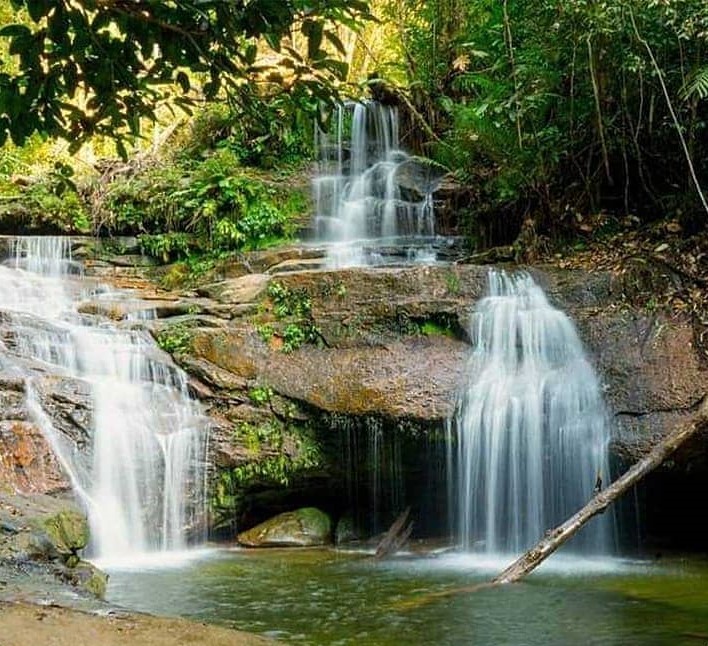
(531, 428)
(143, 478)
(368, 192)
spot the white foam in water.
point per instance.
(160, 560)
(489, 565)
(358, 197)
(531, 425)
(144, 486)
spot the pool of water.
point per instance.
(334, 597)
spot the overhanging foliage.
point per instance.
(89, 67)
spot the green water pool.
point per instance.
(333, 597)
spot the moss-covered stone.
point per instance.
(300, 528)
(90, 579)
(59, 536)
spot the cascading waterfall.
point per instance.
(531, 426)
(144, 481)
(360, 197)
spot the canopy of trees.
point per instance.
(545, 109)
(545, 103)
(85, 67)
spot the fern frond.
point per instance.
(696, 85)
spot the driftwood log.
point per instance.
(556, 537)
(396, 536)
(600, 502)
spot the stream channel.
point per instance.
(326, 596)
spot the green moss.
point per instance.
(302, 527)
(176, 339)
(59, 536)
(452, 282)
(279, 452)
(260, 395)
(292, 310)
(431, 328)
(96, 584)
(68, 531)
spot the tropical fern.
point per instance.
(696, 85)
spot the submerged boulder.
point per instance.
(300, 528)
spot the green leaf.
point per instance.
(183, 81)
(251, 53)
(120, 147)
(10, 31)
(335, 40)
(696, 85)
(38, 9)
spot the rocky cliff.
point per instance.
(281, 351)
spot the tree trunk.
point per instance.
(556, 537)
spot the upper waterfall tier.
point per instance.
(142, 479)
(531, 425)
(369, 192)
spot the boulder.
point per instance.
(236, 291)
(65, 533)
(42, 527)
(85, 576)
(420, 175)
(47, 534)
(346, 531)
(300, 528)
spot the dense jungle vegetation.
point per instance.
(191, 124)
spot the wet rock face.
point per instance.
(41, 527)
(391, 340)
(647, 361)
(46, 535)
(27, 463)
(414, 378)
(304, 527)
(393, 343)
(652, 375)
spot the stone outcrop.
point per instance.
(27, 462)
(388, 343)
(394, 343)
(47, 532)
(648, 363)
(305, 527)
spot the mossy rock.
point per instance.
(90, 578)
(59, 536)
(300, 528)
(346, 531)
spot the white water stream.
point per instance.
(360, 204)
(143, 481)
(531, 425)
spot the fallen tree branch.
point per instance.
(420, 118)
(556, 537)
(599, 503)
(396, 536)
